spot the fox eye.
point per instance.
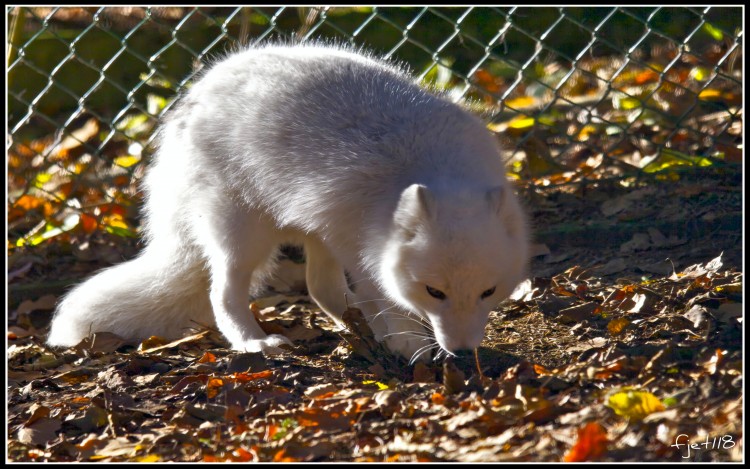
(435, 293)
(488, 293)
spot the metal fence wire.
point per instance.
(575, 95)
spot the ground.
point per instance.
(625, 344)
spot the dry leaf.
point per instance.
(592, 444)
(634, 404)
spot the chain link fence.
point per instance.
(576, 95)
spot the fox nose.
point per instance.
(464, 352)
(463, 346)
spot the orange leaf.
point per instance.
(213, 386)
(646, 76)
(616, 326)
(121, 180)
(486, 80)
(281, 456)
(713, 363)
(181, 384)
(207, 357)
(28, 202)
(251, 376)
(271, 430)
(242, 455)
(438, 398)
(88, 223)
(114, 209)
(591, 444)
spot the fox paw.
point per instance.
(271, 345)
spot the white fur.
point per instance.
(333, 149)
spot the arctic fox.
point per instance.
(338, 151)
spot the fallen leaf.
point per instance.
(577, 313)
(617, 326)
(320, 389)
(613, 266)
(453, 377)
(102, 342)
(634, 404)
(423, 373)
(150, 345)
(207, 357)
(592, 444)
(39, 432)
(47, 302)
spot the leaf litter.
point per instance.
(622, 366)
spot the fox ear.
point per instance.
(507, 209)
(496, 198)
(415, 207)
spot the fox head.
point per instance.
(452, 256)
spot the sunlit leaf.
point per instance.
(585, 132)
(520, 102)
(625, 102)
(486, 80)
(521, 122)
(709, 93)
(74, 139)
(439, 74)
(700, 73)
(338, 11)
(244, 377)
(117, 231)
(115, 224)
(668, 158)
(51, 231)
(134, 124)
(634, 404)
(41, 179)
(645, 76)
(713, 31)
(155, 104)
(670, 401)
(380, 385)
(127, 161)
(592, 443)
(88, 223)
(28, 202)
(207, 357)
(213, 387)
(155, 80)
(152, 342)
(617, 326)
(242, 455)
(546, 119)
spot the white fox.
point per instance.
(333, 149)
